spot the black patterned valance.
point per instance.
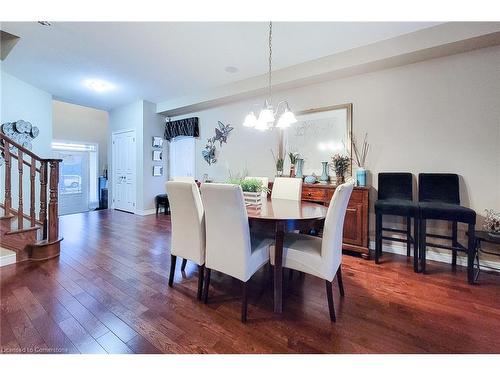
(186, 127)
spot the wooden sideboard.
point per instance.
(356, 218)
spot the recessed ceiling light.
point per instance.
(231, 69)
(98, 85)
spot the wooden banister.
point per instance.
(48, 170)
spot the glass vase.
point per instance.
(324, 175)
(299, 164)
(361, 176)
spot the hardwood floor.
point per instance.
(108, 292)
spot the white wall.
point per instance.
(21, 101)
(153, 126)
(142, 117)
(441, 115)
(77, 123)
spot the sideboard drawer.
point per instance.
(313, 194)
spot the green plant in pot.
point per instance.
(252, 189)
(279, 163)
(340, 164)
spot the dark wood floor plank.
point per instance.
(108, 291)
(17, 327)
(113, 345)
(85, 343)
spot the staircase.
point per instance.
(33, 234)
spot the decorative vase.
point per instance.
(340, 179)
(324, 175)
(279, 172)
(292, 170)
(310, 179)
(361, 176)
(298, 172)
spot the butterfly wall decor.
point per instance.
(209, 151)
(221, 134)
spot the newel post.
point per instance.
(43, 196)
(53, 200)
(8, 175)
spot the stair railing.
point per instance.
(48, 172)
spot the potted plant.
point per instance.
(360, 159)
(252, 189)
(293, 160)
(492, 223)
(340, 164)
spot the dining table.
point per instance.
(284, 215)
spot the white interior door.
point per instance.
(124, 178)
(73, 182)
(182, 151)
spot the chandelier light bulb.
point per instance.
(250, 120)
(266, 115)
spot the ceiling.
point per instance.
(158, 61)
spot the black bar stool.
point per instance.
(395, 197)
(439, 199)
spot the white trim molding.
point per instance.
(438, 256)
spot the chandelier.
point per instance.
(267, 116)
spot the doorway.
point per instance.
(182, 161)
(124, 176)
(78, 176)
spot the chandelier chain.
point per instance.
(270, 57)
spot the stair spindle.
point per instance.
(32, 191)
(8, 175)
(20, 209)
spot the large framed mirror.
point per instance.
(317, 135)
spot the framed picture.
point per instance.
(157, 170)
(157, 155)
(157, 142)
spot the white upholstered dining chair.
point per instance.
(287, 188)
(321, 257)
(183, 179)
(264, 180)
(188, 227)
(230, 248)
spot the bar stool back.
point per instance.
(395, 197)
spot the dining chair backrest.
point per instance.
(331, 247)
(287, 188)
(228, 247)
(188, 221)
(264, 180)
(183, 178)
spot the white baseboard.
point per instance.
(7, 257)
(443, 257)
(151, 211)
